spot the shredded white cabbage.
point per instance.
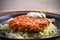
(50, 31)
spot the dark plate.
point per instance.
(4, 18)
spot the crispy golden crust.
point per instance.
(27, 24)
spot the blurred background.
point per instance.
(21, 5)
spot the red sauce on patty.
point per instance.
(24, 23)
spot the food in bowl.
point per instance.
(33, 25)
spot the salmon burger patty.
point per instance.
(24, 23)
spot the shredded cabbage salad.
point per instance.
(50, 31)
